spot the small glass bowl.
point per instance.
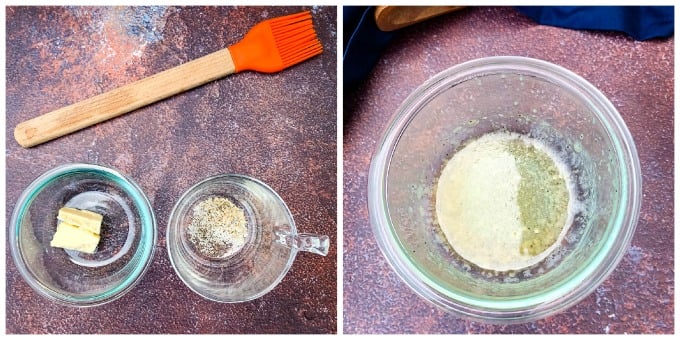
(261, 263)
(127, 243)
(519, 95)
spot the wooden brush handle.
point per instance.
(390, 18)
(124, 99)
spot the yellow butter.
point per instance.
(81, 218)
(69, 236)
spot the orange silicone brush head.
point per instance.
(276, 44)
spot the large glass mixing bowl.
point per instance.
(521, 95)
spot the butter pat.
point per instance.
(69, 236)
(83, 219)
(77, 230)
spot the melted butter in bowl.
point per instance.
(504, 201)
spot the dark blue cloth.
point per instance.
(640, 22)
(363, 43)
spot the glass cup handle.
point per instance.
(317, 244)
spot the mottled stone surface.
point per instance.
(636, 76)
(280, 128)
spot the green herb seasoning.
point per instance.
(543, 197)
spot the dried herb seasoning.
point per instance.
(218, 227)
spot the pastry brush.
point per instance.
(270, 46)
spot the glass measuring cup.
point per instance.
(259, 265)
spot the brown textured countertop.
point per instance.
(636, 76)
(279, 128)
